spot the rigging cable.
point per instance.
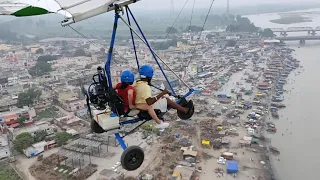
(167, 35)
(194, 1)
(88, 39)
(204, 23)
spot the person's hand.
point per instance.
(165, 91)
(132, 106)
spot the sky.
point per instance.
(156, 4)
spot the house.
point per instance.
(35, 149)
(4, 148)
(183, 173)
(66, 121)
(74, 104)
(12, 116)
(32, 129)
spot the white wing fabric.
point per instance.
(74, 10)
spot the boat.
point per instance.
(274, 149)
(275, 114)
(272, 129)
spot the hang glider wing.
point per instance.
(73, 10)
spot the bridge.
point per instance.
(302, 39)
(296, 29)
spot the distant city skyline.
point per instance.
(178, 4)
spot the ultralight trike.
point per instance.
(106, 107)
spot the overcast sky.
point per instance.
(166, 4)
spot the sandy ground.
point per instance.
(23, 163)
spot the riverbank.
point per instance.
(299, 120)
(291, 19)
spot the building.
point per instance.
(11, 117)
(35, 149)
(4, 148)
(32, 129)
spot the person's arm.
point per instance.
(153, 100)
(130, 99)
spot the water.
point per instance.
(298, 128)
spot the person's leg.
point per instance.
(150, 110)
(176, 106)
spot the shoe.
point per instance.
(162, 125)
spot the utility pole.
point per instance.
(227, 12)
(172, 8)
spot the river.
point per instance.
(298, 127)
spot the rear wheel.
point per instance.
(96, 128)
(190, 106)
(132, 158)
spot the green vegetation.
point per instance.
(39, 51)
(242, 24)
(7, 35)
(27, 98)
(41, 68)
(40, 136)
(22, 119)
(171, 30)
(62, 138)
(149, 128)
(194, 29)
(266, 33)
(7, 173)
(221, 20)
(47, 113)
(47, 58)
(23, 141)
(79, 52)
(231, 43)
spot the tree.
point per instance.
(27, 98)
(62, 138)
(40, 136)
(39, 51)
(231, 43)
(22, 119)
(209, 36)
(47, 58)
(79, 52)
(266, 33)
(23, 141)
(171, 30)
(242, 24)
(41, 68)
(194, 29)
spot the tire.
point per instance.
(187, 116)
(95, 127)
(132, 158)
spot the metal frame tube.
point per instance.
(151, 50)
(155, 53)
(121, 142)
(110, 51)
(133, 42)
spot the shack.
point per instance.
(232, 167)
(35, 149)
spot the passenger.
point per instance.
(145, 101)
(125, 89)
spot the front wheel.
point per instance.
(132, 158)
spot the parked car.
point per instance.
(221, 160)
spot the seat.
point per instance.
(116, 103)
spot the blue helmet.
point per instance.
(127, 76)
(146, 71)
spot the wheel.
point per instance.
(95, 127)
(132, 158)
(189, 105)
